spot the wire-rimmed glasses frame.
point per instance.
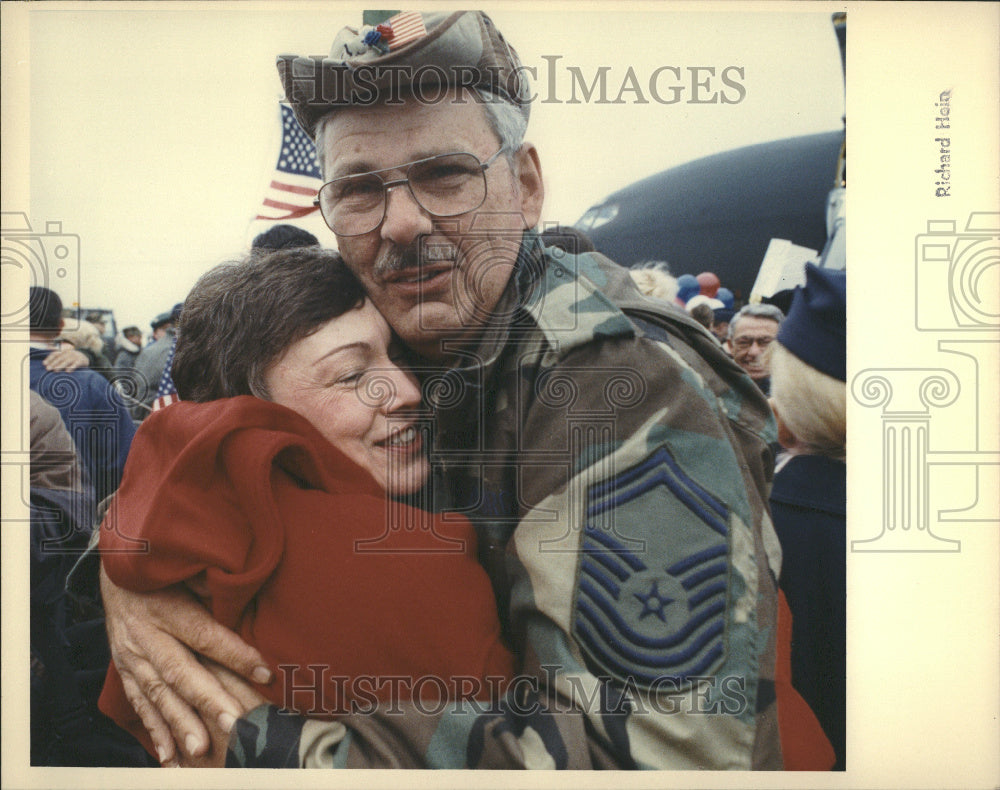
(744, 343)
(356, 204)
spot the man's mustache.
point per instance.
(396, 258)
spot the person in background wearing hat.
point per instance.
(152, 361)
(612, 458)
(808, 501)
(749, 339)
(160, 325)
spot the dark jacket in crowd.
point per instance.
(95, 416)
(809, 506)
(149, 367)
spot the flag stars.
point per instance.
(653, 602)
(296, 176)
(298, 154)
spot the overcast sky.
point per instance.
(154, 129)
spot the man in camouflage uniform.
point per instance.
(613, 459)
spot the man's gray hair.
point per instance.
(507, 122)
(768, 311)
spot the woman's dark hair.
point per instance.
(240, 317)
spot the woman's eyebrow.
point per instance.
(359, 344)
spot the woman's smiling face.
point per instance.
(344, 379)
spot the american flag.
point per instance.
(166, 393)
(296, 177)
(406, 26)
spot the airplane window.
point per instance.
(587, 220)
(605, 214)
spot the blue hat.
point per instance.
(160, 320)
(816, 327)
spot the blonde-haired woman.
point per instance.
(808, 501)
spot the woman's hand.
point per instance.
(152, 637)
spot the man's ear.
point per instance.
(529, 177)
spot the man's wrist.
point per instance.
(265, 737)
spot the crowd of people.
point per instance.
(432, 507)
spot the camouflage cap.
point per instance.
(422, 52)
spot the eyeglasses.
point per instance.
(445, 186)
(743, 343)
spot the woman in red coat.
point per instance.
(273, 492)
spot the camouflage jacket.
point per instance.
(616, 465)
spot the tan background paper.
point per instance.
(924, 604)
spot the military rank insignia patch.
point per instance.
(650, 601)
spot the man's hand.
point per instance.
(67, 359)
(174, 695)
